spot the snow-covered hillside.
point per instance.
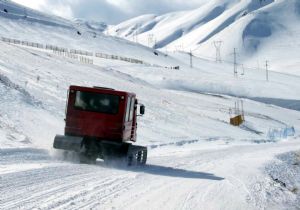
(259, 30)
(197, 160)
(28, 25)
(97, 26)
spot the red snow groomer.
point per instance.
(102, 123)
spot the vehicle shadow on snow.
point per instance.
(164, 171)
(175, 172)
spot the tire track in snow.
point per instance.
(85, 195)
(40, 192)
(21, 187)
(99, 196)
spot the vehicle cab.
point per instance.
(102, 113)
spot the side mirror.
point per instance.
(142, 109)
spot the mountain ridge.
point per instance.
(259, 30)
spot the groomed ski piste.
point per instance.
(196, 159)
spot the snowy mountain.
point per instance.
(196, 158)
(29, 25)
(93, 25)
(259, 32)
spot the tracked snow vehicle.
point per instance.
(102, 123)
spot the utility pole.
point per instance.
(150, 39)
(217, 45)
(243, 70)
(191, 59)
(155, 43)
(136, 37)
(25, 12)
(242, 107)
(234, 63)
(136, 33)
(267, 71)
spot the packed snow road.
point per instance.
(197, 159)
(193, 176)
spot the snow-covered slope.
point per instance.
(192, 148)
(93, 25)
(260, 30)
(197, 160)
(28, 25)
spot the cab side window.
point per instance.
(127, 109)
(131, 109)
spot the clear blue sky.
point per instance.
(109, 11)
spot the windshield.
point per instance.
(97, 102)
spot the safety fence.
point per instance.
(56, 48)
(65, 54)
(86, 60)
(73, 53)
(29, 44)
(116, 57)
(82, 59)
(81, 52)
(280, 133)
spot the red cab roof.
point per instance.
(100, 90)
